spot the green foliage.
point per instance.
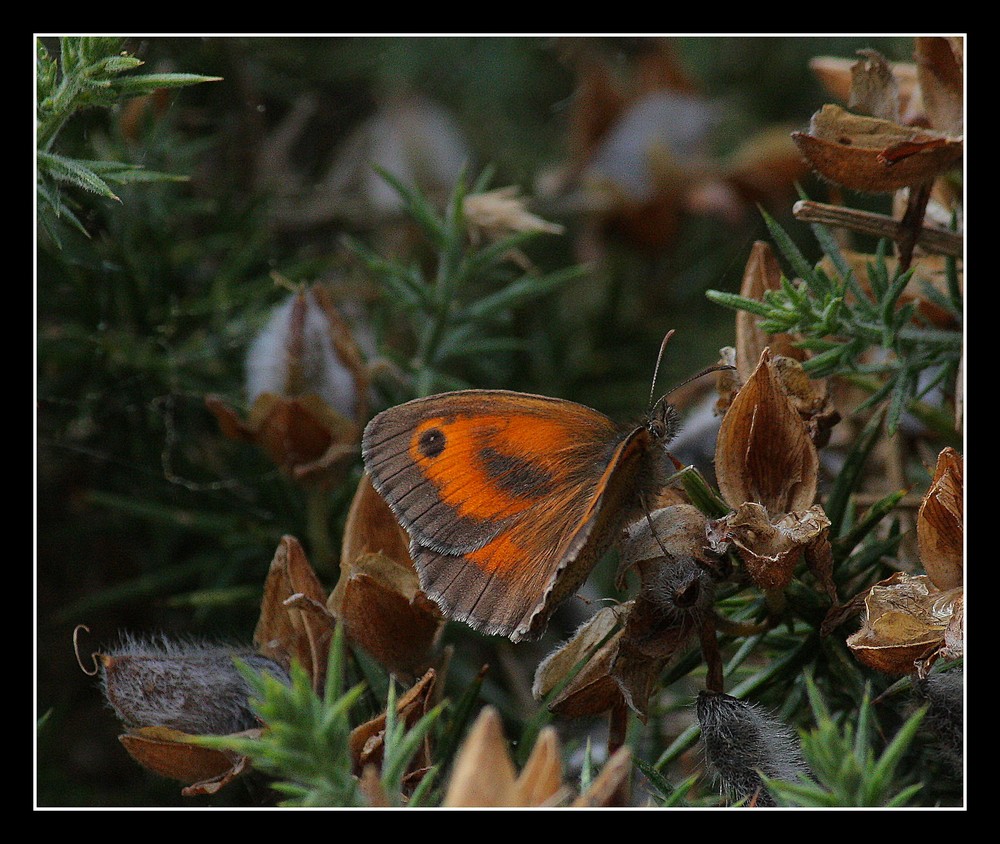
(841, 753)
(840, 322)
(460, 307)
(89, 73)
(306, 744)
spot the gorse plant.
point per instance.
(90, 72)
(841, 323)
(306, 747)
(458, 308)
(781, 625)
(846, 769)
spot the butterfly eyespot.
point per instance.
(432, 442)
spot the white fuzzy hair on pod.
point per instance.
(741, 742)
(322, 371)
(188, 685)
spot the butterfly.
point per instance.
(511, 499)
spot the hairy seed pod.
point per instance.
(944, 692)
(742, 742)
(679, 588)
(193, 687)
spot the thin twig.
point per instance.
(912, 223)
(930, 238)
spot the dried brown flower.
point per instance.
(593, 691)
(873, 155)
(762, 273)
(763, 452)
(174, 755)
(287, 629)
(940, 524)
(771, 547)
(911, 620)
(905, 623)
(767, 468)
(308, 389)
(485, 777)
(810, 397)
(378, 597)
(626, 647)
(837, 76)
(367, 741)
(942, 82)
(871, 148)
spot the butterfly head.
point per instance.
(663, 421)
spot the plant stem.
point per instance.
(930, 238)
(318, 529)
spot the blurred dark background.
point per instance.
(147, 518)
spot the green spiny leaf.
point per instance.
(519, 292)
(902, 391)
(74, 172)
(847, 479)
(787, 247)
(737, 302)
(857, 532)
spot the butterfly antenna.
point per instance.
(656, 370)
(719, 367)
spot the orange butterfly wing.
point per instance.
(509, 499)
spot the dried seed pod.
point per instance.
(378, 597)
(285, 632)
(763, 452)
(940, 523)
(742, 742)
(905, 623)
(872, 155)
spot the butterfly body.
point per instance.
(510, 499)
